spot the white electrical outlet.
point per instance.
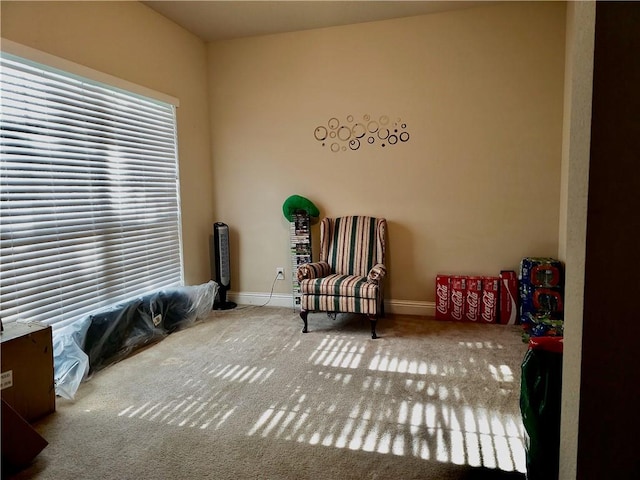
(280, 273)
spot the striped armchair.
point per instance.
(349, 276)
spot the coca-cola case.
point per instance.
(489, 299)
(443, 297)
(472, 299)
(458, 289)
(508, 297)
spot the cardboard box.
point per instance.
(472, 299)
(27, 369)
(540, 301)
(20, 442)
(508, 297)
(458, 290)
(541, 272)
(489, 303)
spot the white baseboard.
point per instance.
(401, 307)
(410, 307)
(259, 298)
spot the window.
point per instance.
(89, 201)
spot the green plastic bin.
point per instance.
(540, 397)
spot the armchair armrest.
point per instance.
(377, 273)
(313, 270)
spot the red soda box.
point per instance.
(508, 297)
(489, 300)
(443, 300)
(458, 288)
(472, 299)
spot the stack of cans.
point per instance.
(541, 293)
(467, 298)
(532, 297)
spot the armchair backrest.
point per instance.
(352, 245)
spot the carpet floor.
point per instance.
(244, 394)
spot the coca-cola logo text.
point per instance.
(442, 292)
(456, 302)
(472, 305)
(489, 306)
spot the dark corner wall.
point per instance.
(610, 384)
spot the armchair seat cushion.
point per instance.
(334, 303)
(340, 285)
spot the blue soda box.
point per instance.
(540, 300)
(541, 272)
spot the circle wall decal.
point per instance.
(344, 133)
(358, 130)
(375, 130)
(320, 133)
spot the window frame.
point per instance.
(101, 80)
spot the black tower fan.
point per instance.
(222, 265)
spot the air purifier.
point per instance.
(221, 265)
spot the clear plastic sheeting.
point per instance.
(110, 335)
(70, 362)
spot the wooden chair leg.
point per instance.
(373, 321)
(303, 316)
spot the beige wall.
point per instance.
(132, 42)
(475, 188)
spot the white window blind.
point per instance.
(89, 201)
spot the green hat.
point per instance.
(295, 203)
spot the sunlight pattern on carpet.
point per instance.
(436, 420)
(362, 396)
(197, 406)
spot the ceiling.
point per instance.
(228, 19)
